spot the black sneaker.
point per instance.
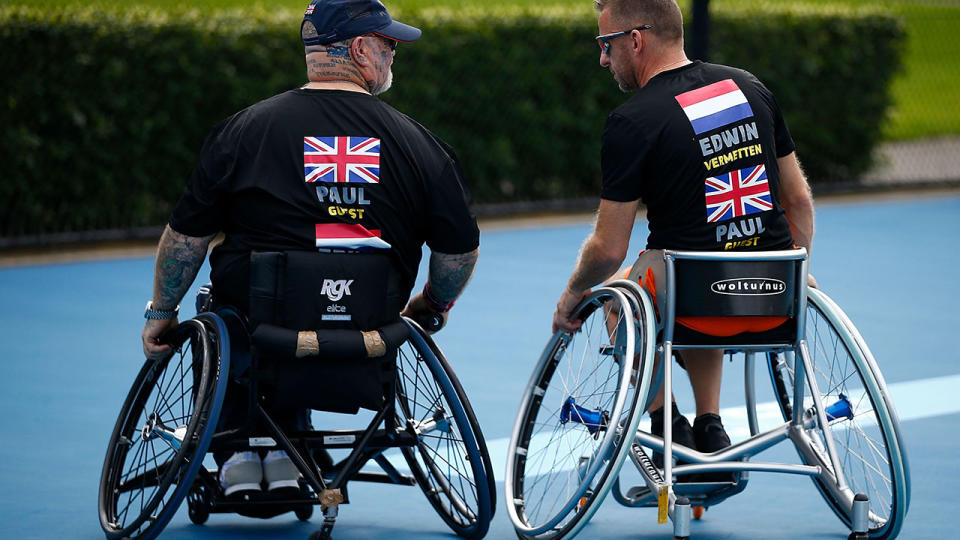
(682, 434)
(710, 437)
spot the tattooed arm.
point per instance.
(179, 258)
(448, 277)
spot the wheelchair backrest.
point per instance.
(335, 295)
(758, 286)
(303, 290)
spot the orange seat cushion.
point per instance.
(731, 326)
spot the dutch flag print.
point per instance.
(715, 105)
(352, 237)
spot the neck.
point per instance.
(336, 84)
(334, 69)
(662, 64)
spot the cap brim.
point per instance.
(400, 32)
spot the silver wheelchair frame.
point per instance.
(821, 431)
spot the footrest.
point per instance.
(639, 491)
(700, 490)
(264, 505)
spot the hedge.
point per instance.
(104, 110)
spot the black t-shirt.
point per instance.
(698, 145)
(324, 170)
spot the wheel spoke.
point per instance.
(442, 463)
(588, 367)
(145, 471)
(862, 441)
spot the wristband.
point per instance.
(159, 314)
(433, 303)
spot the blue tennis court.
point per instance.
(70, 340)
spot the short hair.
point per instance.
(308, 31)
(663, 15)
(324, 48)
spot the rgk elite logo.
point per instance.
(335, 289)
(749, 286)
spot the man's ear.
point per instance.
(359, 50)
(638, 43)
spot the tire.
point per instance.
(868, 441)
(174, 401)
(451, 463)
(563, 457)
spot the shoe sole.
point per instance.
(283, 484)
(241, 487)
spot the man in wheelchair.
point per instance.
(706, 148)
(324, 196)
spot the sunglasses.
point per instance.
(604, 40)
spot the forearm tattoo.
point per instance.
(449, 274)
(179, 258)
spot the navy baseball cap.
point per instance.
(336, 20)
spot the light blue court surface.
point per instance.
(70, 346)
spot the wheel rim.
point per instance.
(560, 460)
(847, 383)
(441, 462)
(148, 456)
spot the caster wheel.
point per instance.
(697, 512)
(198, 503)
(304, 512)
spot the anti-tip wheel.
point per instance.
(304, 512)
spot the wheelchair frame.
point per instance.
(153, 482)
(810, 423)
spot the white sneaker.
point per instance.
(279, 471)
(242, 472)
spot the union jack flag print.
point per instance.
(341, 159)
(737, 193)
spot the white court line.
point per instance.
(913, 400)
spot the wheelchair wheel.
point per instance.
(577, 417)
(163, 432)
(862, 420)
(451, 463)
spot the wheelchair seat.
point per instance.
(734, 299)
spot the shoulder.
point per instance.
(624, 122)
(259, 112)
(644, 115)
(406, 122)
(418, 138)
(730, 72)
(272, 106)
(743, 78)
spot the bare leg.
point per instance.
(705, 369)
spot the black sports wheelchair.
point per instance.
(172, 415)
(579, 419)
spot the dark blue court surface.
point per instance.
(70, 340)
